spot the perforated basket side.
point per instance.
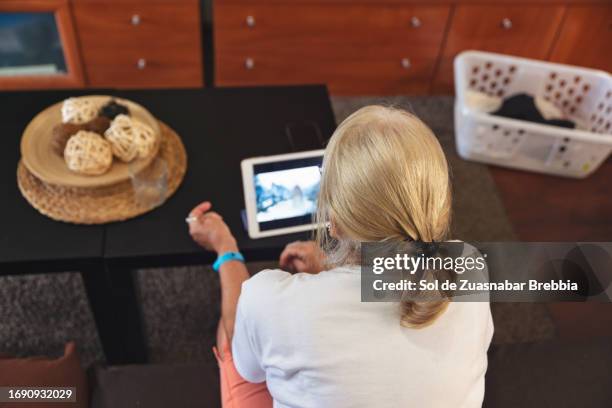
(584, 95)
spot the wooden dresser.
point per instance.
(140, 43)
(397, 46)
(354, 48)
(107, 43)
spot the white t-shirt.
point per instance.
(317, 345)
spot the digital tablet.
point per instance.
(280, 192)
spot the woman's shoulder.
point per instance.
(269, 284)
(259, 290)
(265, 280)
(263, 284)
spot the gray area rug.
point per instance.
(39, 313)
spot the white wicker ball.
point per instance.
(130, 138)
(88, 153)
(79, 110)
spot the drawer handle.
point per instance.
(250, 21)
(249, 63)
(141, 63)
(506, 23)
(135, 19)
(415, 22)
(406, 64)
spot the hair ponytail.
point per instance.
(385, 177)
(421, 314)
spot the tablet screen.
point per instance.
(286, 192)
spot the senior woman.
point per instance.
(303, 338)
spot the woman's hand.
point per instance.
(208, 229)
(302, 256)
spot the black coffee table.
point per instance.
(219, 127)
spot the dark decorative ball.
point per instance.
(112, 109)
(98, 125)
(61, 133)
(64, 131)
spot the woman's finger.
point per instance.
(300, 249)
(295, 246)
(284, 258)
(212, 214)
(200, 209)
(288, 254)
(201, 223)
(195, 227)
(299, 265)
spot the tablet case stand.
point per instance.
(243, 217)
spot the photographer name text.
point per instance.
(466, 285)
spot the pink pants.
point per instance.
(236, 392)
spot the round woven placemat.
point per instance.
(102, 204)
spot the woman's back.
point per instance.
(309, 336)
(317, 345)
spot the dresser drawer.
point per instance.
(352, 48)
(522, 30)
(140, 44)
(144, 68)
(115, 23)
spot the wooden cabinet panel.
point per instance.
(108, 24)
(521, 30)
(144, 44)
(143, 68)
(354, 49)
(73, 77)
(586, 37)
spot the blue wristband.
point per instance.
(228, 256)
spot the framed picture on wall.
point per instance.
(38, 47)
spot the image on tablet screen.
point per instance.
(289, 193)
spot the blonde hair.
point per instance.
(385, 178)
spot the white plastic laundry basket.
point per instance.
(583, 95)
